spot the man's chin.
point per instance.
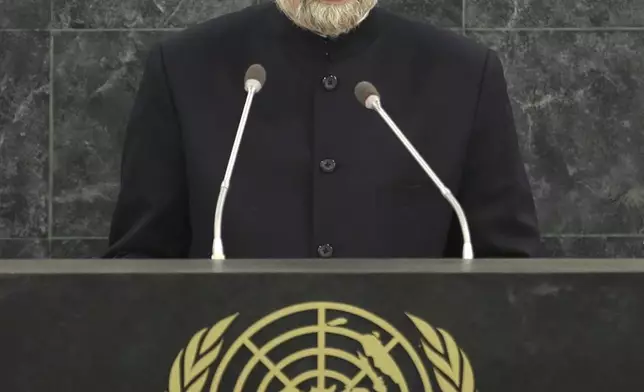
(330, 18)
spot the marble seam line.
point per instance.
(544, 236)
(463, 28)
(50, 185)
(464, 17)
(56, 239)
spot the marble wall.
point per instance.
(69, 70)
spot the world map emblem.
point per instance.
(264, 357)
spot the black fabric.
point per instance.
(447, 94)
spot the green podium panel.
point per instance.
(321, 326)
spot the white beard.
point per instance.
(330, 20)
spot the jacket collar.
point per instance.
(319, 47)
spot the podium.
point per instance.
(321, 325)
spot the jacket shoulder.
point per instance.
(223, 31)
(437, 44)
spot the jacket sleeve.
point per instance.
(151, 218)
(495, 193)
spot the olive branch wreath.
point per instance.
(191, 367)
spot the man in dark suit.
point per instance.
(319, 175)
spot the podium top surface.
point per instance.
(340, 266)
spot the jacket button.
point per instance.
(330, 82)
(327, 165)
(325, 250)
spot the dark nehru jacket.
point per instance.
(318, 174)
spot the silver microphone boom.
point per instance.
(253, 82)
(368, 96)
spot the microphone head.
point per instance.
(255, 73)
(363, 91)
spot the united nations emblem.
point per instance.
(383, 359)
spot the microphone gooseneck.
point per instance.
(254, 80)
(368, 96)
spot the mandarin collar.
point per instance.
(316, 46)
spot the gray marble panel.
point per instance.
(555, 13)
(578, 100)
(593, 247)
(445, 13)
(85, 14)
(23, 249)
(25, 14)
(78, 248)
(95, 81)
(24, 114)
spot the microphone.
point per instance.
(368, 96)
(253, 82)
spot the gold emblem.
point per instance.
(374, 366)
